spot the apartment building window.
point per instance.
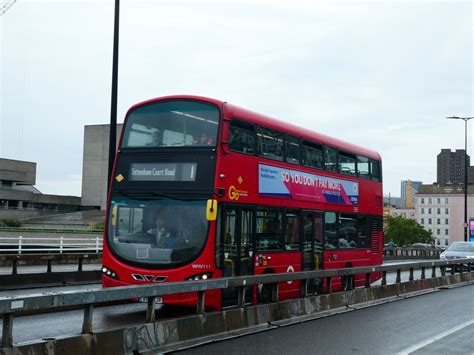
(446, 232)
(446, 242)
(422, 201)
(438, 221)
(446, 200)
(438, 242)
(422, 221)
(429, 210)
(429, 220)
(438, 231)
(438, 210)
(422, 210)
(430, 201)
(438, 201)
(446, 211)
(446, 221)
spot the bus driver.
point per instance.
(163, 238)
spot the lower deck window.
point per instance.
(269, 230)
(346, 231)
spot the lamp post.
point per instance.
(465, 119)
(113, 105)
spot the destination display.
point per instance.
(279, 182)
(163, 172)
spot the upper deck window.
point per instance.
(347, 164)
(270, 143)
(375, 170)
(313, 155)
(292, 150)
(241, 137)
(363, 167)
(330, 159)
(172, 124)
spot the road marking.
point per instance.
(427, 342)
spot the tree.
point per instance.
(406, 231)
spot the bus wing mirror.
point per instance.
(211, 210)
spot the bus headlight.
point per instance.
(204, 276)
(109, 272)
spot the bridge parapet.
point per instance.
(410, 253)
(307, 305)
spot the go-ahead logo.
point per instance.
(234, 194)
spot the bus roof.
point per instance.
(273, 123)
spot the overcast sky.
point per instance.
(380, 74)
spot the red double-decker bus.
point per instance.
(205, 189)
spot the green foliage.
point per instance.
(406, 231)
(11, 222)
(99, 225)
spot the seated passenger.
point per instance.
(156, 139)
(236, 141)
(204, 139)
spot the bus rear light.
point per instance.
(204, 276)
(109, 272)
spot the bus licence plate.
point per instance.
(145, 300)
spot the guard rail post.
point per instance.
(87, 326)
(7, 330)
(443, 270)
(15, 267)
(433, 272)
(304, 288)
(49, 266)
(61, 241)
(367, 280)
(328, 284)
(150, 310)
(79, 266)
(411, 278)
(241, 296)
(96, 244)
(423, 275)
(275, 288)
(200, 307)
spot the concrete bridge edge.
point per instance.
(174, 334)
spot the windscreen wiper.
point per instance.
(171, 197)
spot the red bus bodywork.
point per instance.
(237, 176)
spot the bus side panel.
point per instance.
(280, 263)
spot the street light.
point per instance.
(113, 104)
(465, 119)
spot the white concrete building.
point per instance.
(95, 163)
(441, 210)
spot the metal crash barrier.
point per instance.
(14, 306)
(410, 253)
(49, 269)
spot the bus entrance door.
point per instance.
(312, 245)
(238, 249)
